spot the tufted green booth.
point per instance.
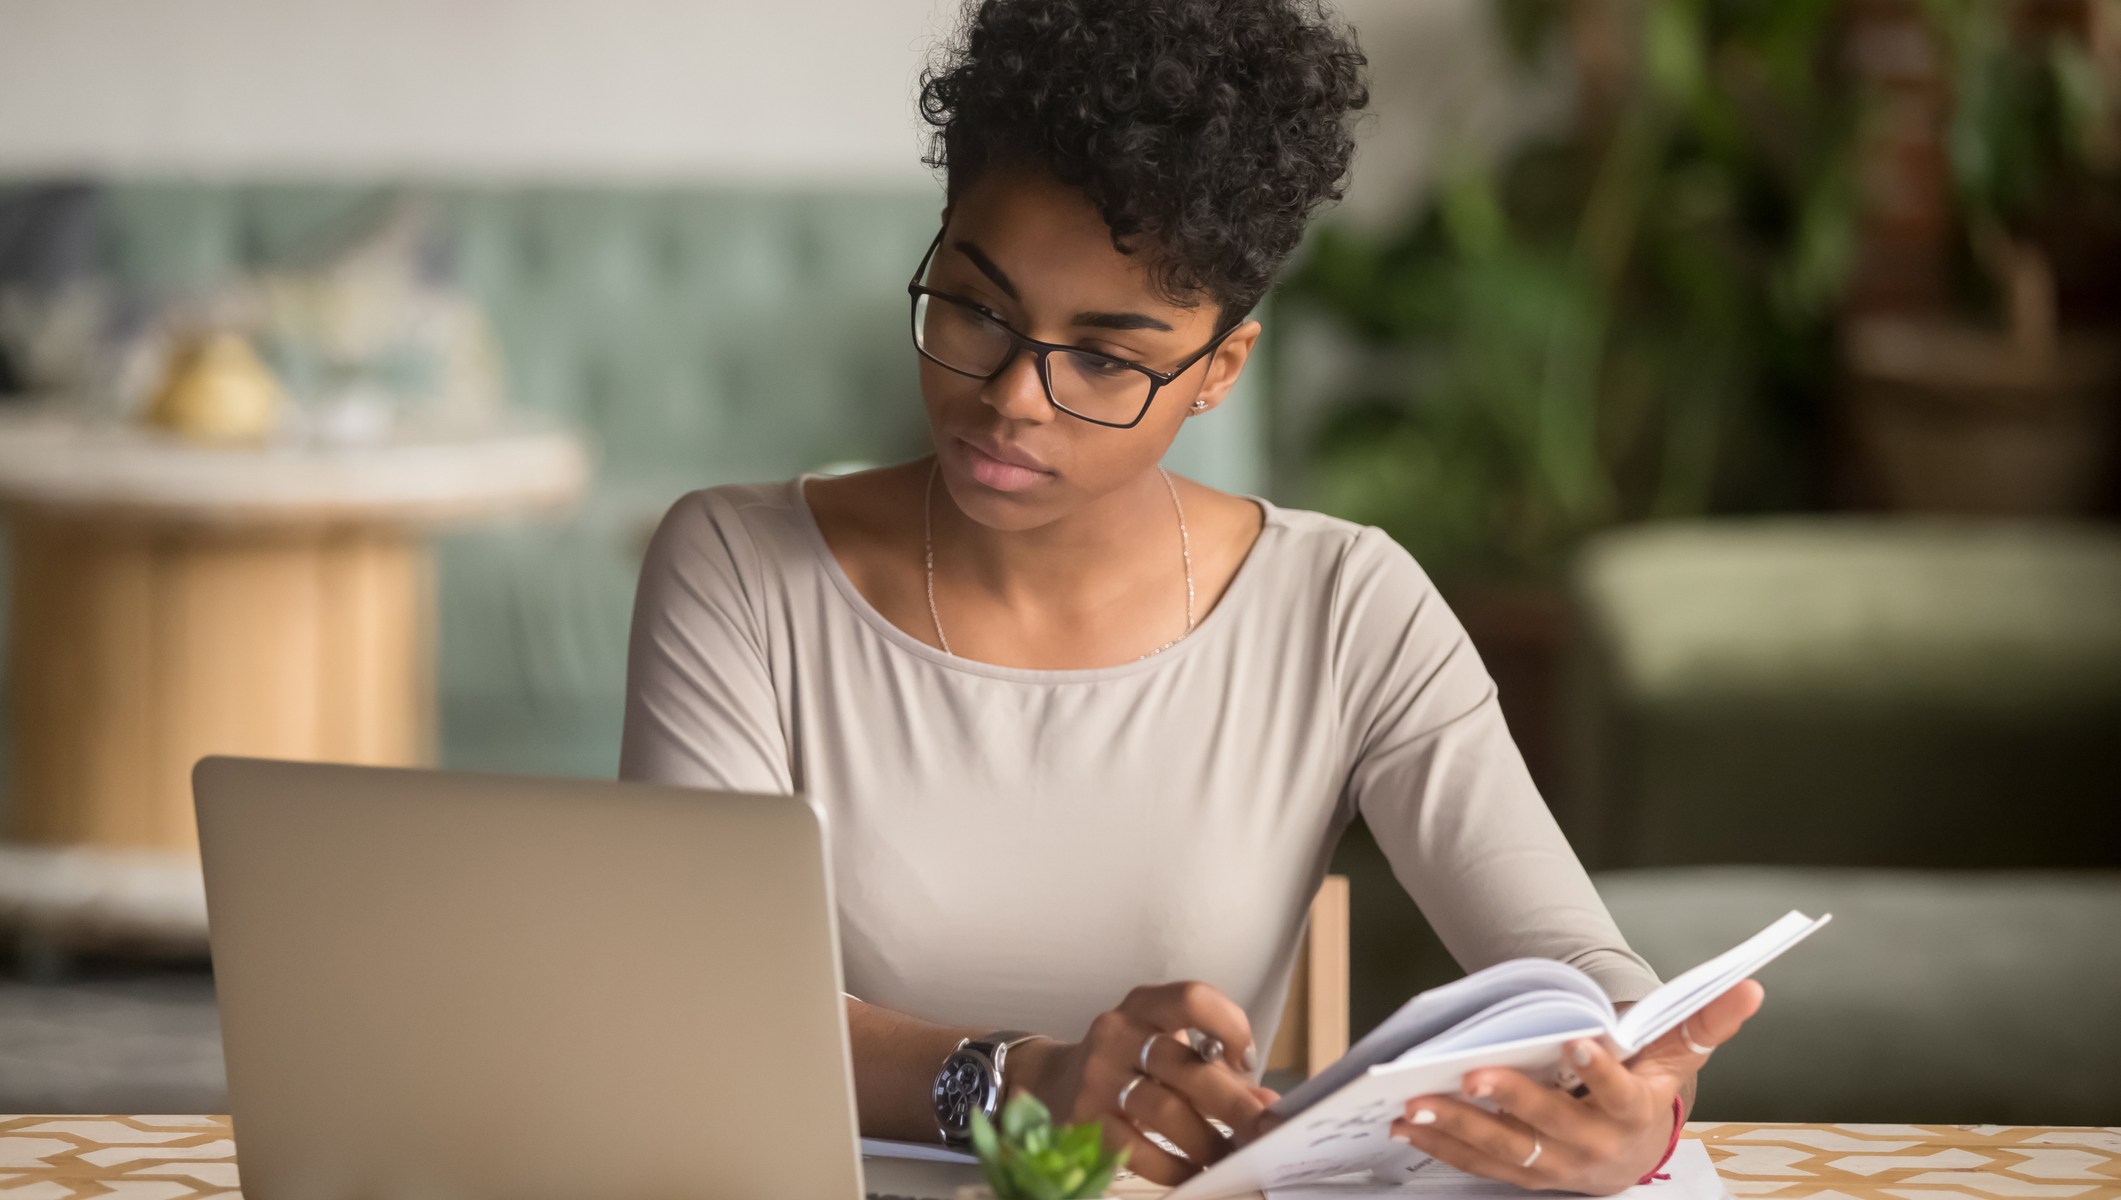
(699, 334)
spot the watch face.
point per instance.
(965, 1086)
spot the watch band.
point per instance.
(1003, 1042)
(987, 1058)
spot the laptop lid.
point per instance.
(451, 985)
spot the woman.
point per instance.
(1087, 733)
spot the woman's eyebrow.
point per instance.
(1119, 320)
(986, 267)
(1090, 320)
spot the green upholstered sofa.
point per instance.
(1849, 691)
(1891, 721)
(1947, 997)
(1895, 721)
(699, 334)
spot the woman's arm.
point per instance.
(702, 710)
(896, 1058)
(1434, 772)
(1440, 782)
(700, 703)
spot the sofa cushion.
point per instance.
(1932, 997)
(1859, 692)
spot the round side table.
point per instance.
(172, 600)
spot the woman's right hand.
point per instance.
(1082, 1081)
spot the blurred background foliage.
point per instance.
(1850, 265)
(2033, 144)
(1634, 314)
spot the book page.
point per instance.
(1693, 1177)
(1350, 1129)
(1347, 1129)
(1539, 1014)
(1436, 1011)
(1662, 1010)
(917, 1151)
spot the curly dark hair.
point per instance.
(1209, 129)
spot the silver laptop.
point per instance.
(444, 986)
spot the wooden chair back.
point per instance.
(1314, 1023)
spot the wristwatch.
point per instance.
(971, 1081)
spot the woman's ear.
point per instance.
(1224, 366)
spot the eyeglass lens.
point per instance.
(964, 339)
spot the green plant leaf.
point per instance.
(1023, 1115)
(984, 1142)
(1030, 1158)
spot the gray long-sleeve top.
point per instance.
(1017, 849)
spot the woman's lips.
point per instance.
(994, 473)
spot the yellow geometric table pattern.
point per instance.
(182, 1157)
(1914, 1162)
(128, 1157)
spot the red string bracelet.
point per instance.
(1678, 1123)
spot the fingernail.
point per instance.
(1423, 1116)
(1581, 1052)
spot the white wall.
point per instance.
(803, 88)
(793, 90)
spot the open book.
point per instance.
(1514, 1014)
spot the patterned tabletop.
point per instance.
(177, 1158)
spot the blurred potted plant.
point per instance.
(1996, 404)
(1631, 319)
(1609, 325)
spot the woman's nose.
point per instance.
(1017, 392)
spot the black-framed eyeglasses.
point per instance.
(958, 335)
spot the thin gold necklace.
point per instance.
(1185, 553)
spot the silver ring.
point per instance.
(1127, 1090)
(1533, 1157)
(1691, 1044)
(1141, 1061)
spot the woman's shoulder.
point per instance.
(1347, 557)
(795, 523)
(736, 502)
(731, 526)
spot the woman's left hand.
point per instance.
(1599, 1143)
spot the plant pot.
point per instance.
(1947, 417)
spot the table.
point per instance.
(172, 599)
(180, 1157)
